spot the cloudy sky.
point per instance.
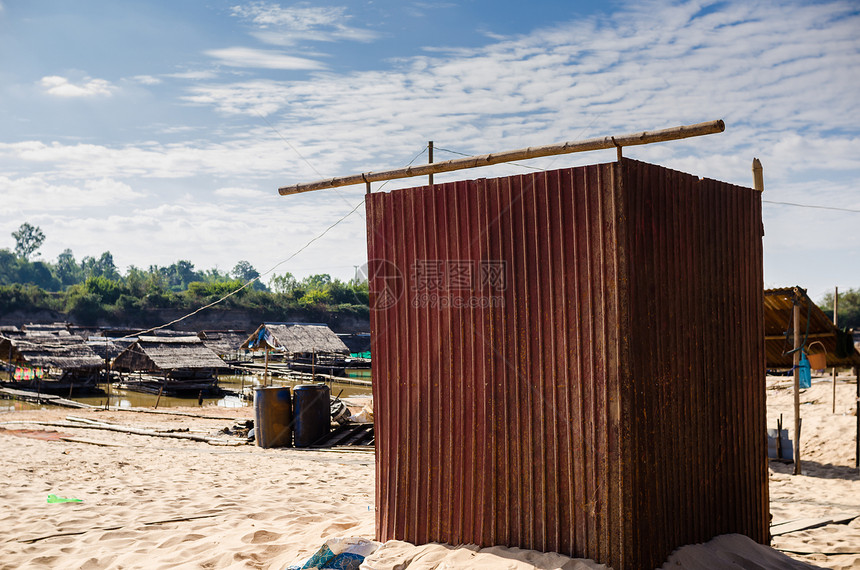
(161, 130)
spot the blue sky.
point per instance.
(161, 130)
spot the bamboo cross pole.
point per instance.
(599, 143)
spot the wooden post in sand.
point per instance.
(857, 415)
(835, 321)
(796, 320)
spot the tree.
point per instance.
(316, 282)
(67, 270)
(106, 290)
(285, 283)
(28, 239)
(101, 267)
(180, 274)
(849, 308)
(245, 272)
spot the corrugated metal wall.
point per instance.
(569, 361)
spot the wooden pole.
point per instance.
(11, 368)
(158, 399)
(796, 320)
(107, 403)
(266, 369)
(430, 161)
(599, 143)
(857, 416)
(835, 321)
(758, 175)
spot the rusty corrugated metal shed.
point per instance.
(779, 330)
(569, 361)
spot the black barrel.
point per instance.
(273, 416)
(312, 413)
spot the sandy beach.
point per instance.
(154, 502)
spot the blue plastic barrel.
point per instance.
(312, 413)
(273, 416)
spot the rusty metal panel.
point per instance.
(569, 361)
(697, 364)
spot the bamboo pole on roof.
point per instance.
(758, 175)
(430, 161)
(599, 143)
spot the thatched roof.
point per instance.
(109, 348)
(162, 353)
(51, 328)
(223, 342)
(49, 351)
(356, 342)
(813, 324)
(295, 338)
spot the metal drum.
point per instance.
(273, 416)
(312, 413)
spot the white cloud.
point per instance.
(240, 193)
(62, 87)
(262, 97)
(260, 58)
(196, 75)
(287, 26)
(147, 79)
(39, 194)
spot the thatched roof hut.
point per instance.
(48, 352)
(295, 338)
(223, 343)
(166, 354)
(109, 348)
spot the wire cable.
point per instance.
(268, 271)
(812, 206)
(251, 281)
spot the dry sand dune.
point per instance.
(168, 503)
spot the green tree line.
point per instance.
(94, 288)
(849, 308)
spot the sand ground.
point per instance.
(151, 502)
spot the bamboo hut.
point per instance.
(307, 347)
(47, 362)
(174, 365)
(109, 348)
(225, 344)
(295, 339)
